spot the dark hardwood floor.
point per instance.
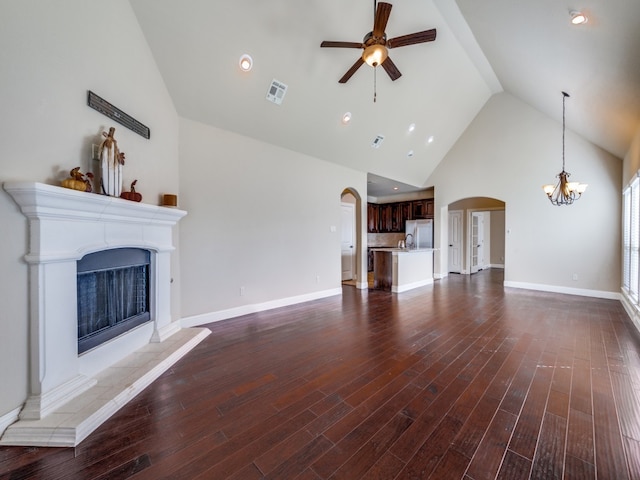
(463, 379)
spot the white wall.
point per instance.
(52, 53)
(497, 238)
(508, 152)
(632, 159)
(260, 217)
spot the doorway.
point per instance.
(476, 242)
(353, 270)
(347, 241)
(476, 235)
(455, 241)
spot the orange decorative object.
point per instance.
(132, 195)
(76, 181)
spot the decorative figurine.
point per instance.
(76, 181)
(111, 163)
(132, 195)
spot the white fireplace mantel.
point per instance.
(65, 225)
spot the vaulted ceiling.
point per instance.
(527, 48)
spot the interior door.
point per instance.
(477, 241)
(455, 241)
(347, 243)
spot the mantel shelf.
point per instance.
(39, 200)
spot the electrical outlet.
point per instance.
(95, 152)
(575, 277)
(242, 291)
(317, 278)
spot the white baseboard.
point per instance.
(566, 290)
(9, 418)
(211, 317)
(411, 286)
(497, 265)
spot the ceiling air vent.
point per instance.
(377, 141)
(276, 92)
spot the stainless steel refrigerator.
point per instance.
(421, 233)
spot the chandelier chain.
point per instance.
(564, 97)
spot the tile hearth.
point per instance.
(74, 421)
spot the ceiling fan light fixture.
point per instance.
(578, 18)
(245, 62)
(375, 54)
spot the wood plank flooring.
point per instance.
(463, 379)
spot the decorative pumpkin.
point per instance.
(132, 195)
(76, 181)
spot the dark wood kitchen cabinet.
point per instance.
(391, 217)
(373, 217)
(386, 218)
(422, 208)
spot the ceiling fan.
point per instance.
(375, 44)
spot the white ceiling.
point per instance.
(528, 48)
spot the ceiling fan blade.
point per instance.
(391, 69)
(351, 71)
(412, 39)
(341, 44)
(382, 17)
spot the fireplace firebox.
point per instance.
(113, 294)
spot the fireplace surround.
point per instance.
(72, 393)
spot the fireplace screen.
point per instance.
(113, 294)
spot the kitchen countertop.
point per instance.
(400, 250)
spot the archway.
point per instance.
(351, 231)
(476, 234)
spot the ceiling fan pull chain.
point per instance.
(374, 84)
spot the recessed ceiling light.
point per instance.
(410, 153)
(346, 118)
(430, 139)
(395, 188)
(412, 127)
(246, 62)
(578, 18)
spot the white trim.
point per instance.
(439, 276)
(631, 308)
(566, 290)
(410, 286)
(362, 285)
(496, 265)
(210, 317)
(8, 419)
(39, 406)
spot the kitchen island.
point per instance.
(401, 269)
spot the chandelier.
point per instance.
(564, 192)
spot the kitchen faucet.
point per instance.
(408, 244)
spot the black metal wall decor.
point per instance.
(114, 113)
